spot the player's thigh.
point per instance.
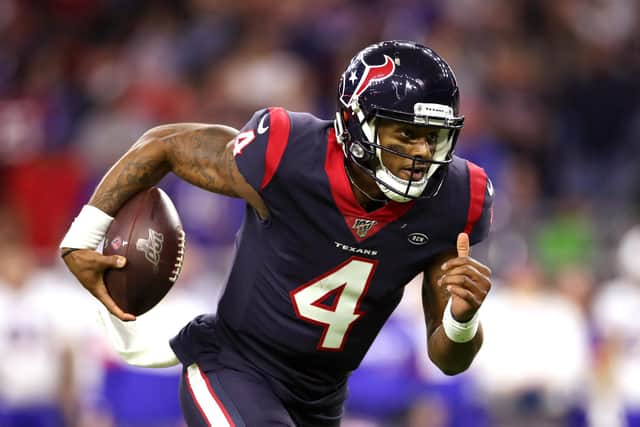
(229, 398)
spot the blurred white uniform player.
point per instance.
(616, 308)
(542, 371)
(36, 380)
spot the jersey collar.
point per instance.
(362, 224)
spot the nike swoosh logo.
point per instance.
(261, 127)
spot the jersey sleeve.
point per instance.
(259, 146)
(480, 211)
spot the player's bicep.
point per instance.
(434, 298)
(203, 155)
(196, 153)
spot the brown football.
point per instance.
(148, 232)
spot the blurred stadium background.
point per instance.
(551, 95)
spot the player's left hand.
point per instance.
(467, 281)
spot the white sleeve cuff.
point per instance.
(136, 347)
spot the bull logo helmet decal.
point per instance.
(370, 74)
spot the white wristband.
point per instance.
(457, 331)
(88, 229)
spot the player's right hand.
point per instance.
(467, 280)
(89, 266)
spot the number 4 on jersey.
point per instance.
(347, 284)
(242, 140)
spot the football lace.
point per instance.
(182, 237)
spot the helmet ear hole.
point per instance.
(357, 151)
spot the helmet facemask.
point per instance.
(364, 149)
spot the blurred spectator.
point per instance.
(37, 387)
(535, 354)
(260, 73)
(614, 308)
(44, 192)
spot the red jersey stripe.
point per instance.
(279, 127)
(478, 187)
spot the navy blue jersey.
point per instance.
(312, 285)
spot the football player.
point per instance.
(340, 216)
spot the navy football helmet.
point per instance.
(404, 82)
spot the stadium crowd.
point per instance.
(551, 96)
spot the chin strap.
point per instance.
(393, 195)
(413, 189)
(368, 196)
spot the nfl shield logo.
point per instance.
(362, 226)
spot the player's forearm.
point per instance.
(140, 168)
(453, 358)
